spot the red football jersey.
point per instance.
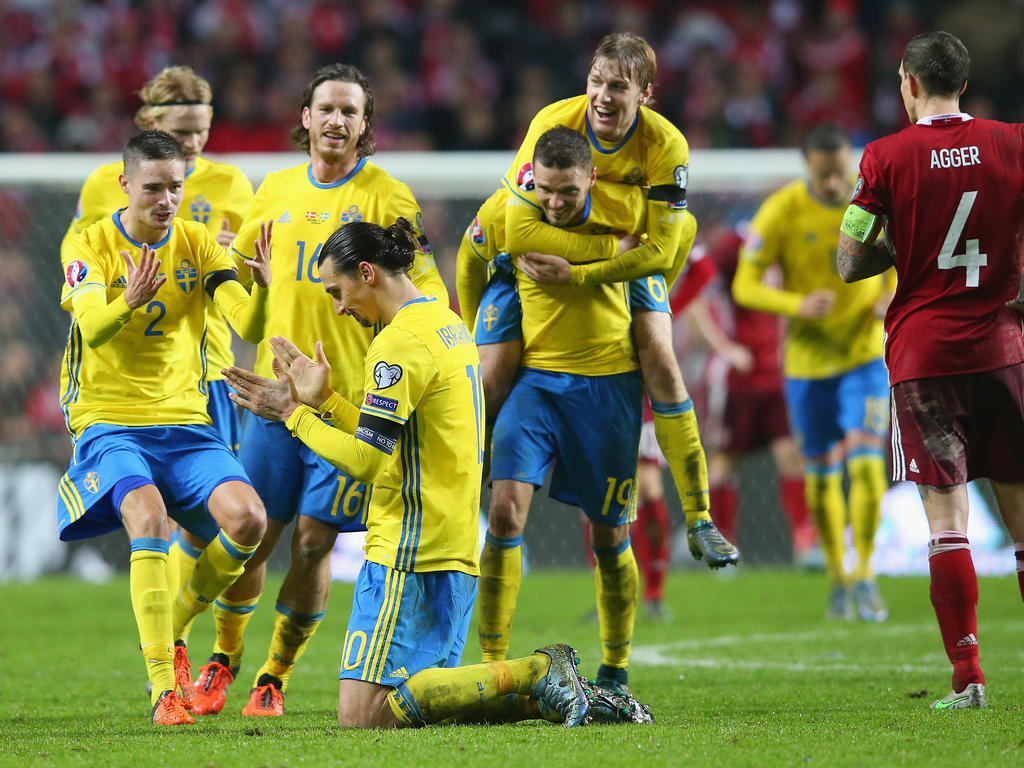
(952, 191)
(759, 332)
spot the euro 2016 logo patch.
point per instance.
(185, 274)
(385, 375)
(92, 482)
(476, 233)
(76, 273)
(525, 178)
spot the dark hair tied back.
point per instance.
(392, 249)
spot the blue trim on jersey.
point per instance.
(333, 184)
(234, 608)
(583, 216)
(866, 450)
(184, 546)
(144, 544)
(203, 389)
(229, 546)
(420, 300)
(117, 223)
(412, 520)
(190, 171)
(672, 409)
(823, 470)
(372, 411)
(515, 191)
(501, 542)
(297, 615)
(610, 551)
(596, 145)
(74, 366)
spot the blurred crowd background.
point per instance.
(459, 74)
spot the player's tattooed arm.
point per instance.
(856, 260)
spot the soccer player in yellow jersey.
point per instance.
(835, 381)
(134, 394)
(417, 436)
(178, 101)
(339, 184)
(632, 145)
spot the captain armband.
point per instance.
(860, 225)
(669, 193)
(217, 278)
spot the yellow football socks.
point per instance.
(617, 580)
(292, 633)
(470, 693)
(231, 618)
(151, 602)
(217, 568)
(501, 574)
(675, 425)
(181, 561)
(824, 488)
(868, 483)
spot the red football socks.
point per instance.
(954, 594)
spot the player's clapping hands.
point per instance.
(260, 264)
(310, 378)
(144, 279)
(270, 399)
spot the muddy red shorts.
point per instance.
(947, 430)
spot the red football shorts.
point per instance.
(947, 430)
(753, 420)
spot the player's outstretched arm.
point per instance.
(247, 313)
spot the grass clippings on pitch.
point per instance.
(748, 674)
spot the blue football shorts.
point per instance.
(500, 316)
(822, 411)
(223, 412)
(402, 623)
(291, 479)
(184, 462)
(587, 426)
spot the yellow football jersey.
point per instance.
(799, 232)
(420, 436)
(580, 329)
(653, 157)
(305, 214)
(154, 371)
(213, 192)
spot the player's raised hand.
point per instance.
(817, 304)
(545, 268)
(225, 237)
(144, 279)
(260, 265)
(270, 399)
(311, 378)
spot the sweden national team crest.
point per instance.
(385, 375)
(76, 273)
(200, 209)
(92, 482)
(351, 214)
(525, 178)
(476, 233)
(185, 274)
(490, 316)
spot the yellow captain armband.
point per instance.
(860, 225)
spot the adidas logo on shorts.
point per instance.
(913, 466)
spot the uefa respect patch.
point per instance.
(384, 403)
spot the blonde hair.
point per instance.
(632, 53)
(173, 86)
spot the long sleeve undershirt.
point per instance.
(357, 459)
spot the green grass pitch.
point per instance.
(748, 674)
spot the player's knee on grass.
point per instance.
(365, 705)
